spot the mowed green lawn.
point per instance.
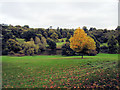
(60, 71)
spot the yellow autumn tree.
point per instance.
(81, 42)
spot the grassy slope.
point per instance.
(59, 71)
(60, 44)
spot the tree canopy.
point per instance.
(81, 42)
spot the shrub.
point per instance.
(43, 41)
(5, 51)
(97, 43)
(104, 49)
(36, 49)
(41, 47)
(29, 44)
(66, 50)
(29, 48)
(37, 40)
(13, 45)
(30, 51)
(21, 52)
(11, 53)
(51, 43)
(92, 52)
(112, 45)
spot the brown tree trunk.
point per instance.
(82, 56)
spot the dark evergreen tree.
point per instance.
(28, 35)
(85, 29)
(26, 26)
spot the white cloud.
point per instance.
(59, 1)
(65, 14)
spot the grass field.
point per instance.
(60, 71)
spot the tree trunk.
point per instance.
(82, 56)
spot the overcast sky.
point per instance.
(60, 13)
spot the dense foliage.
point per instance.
(51, 43)
(66, 50)
(82, 43)
(43, 39)
(112, 45)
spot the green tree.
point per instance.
(50, 32)
(37, 40)
(13, 45)
(51, 43)
(36, 49)
(28, 35)
(118, 38)
(54, 36)
(26, 26)
(29, 47)
(66, 50)
(85, 29)
(41, 47)
(45, 34)
(30, 51)
(43, 40)
(8, 36)
(112, 45)
(39, 35)
(97, 43)
(118, 28)
(68, 35)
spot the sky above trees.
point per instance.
(62, 13)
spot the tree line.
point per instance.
(36, 40)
